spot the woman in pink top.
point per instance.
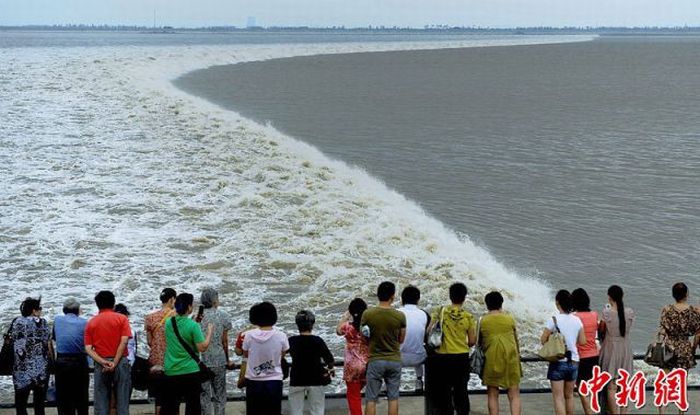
(588, 352)
(356, 354)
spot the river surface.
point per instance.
(577, 163)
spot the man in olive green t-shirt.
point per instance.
(386, 329)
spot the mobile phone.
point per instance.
(200, 313)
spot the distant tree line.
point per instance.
(381, 29)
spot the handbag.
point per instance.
(554, 349)
(659, 353)
(205, 374)
(435, 335)
(477, 358)
(7, 353)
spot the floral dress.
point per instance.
(30, 337)
(678, 326)
(356, 354)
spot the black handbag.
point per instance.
(7, 353)
(659, 353)
(141, 374)
(205, 374)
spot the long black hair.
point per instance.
(581, 300)
(616, 294)
(356, 308)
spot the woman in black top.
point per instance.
(312, 367)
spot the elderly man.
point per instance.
(72, 375)
(216, 357)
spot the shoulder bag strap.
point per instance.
(184, 344)
(442, 315)
(554, 318)
(478, 330)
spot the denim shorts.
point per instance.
(565, 370)
(383, 370)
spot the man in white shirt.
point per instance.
(413, 352)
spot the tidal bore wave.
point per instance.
(114, 179)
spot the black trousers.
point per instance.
(22, 396)
(263, 397)
(447, 383)
(177, 389)
(72, 383)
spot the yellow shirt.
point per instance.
(456, 323)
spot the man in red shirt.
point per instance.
(106, 336)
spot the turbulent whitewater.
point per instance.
(114, 179)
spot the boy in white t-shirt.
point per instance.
(562, 374)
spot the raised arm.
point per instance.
(203, 346)
(346, 318)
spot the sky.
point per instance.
(354, 13)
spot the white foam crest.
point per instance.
(117, 180)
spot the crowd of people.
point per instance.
(189, 352)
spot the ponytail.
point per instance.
(615, 293)
(357, 308)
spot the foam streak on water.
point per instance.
(113, 179)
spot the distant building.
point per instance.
(250, 23)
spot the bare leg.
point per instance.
(371, 408)
(569, 396)
(586, 404)
(558, 397)
(612, 405)
(514, 398)
(393, 407)
(492, 392)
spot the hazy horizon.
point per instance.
(363, 13)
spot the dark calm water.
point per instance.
(579, 163)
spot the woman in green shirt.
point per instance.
(499, 340)
(181, 369)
